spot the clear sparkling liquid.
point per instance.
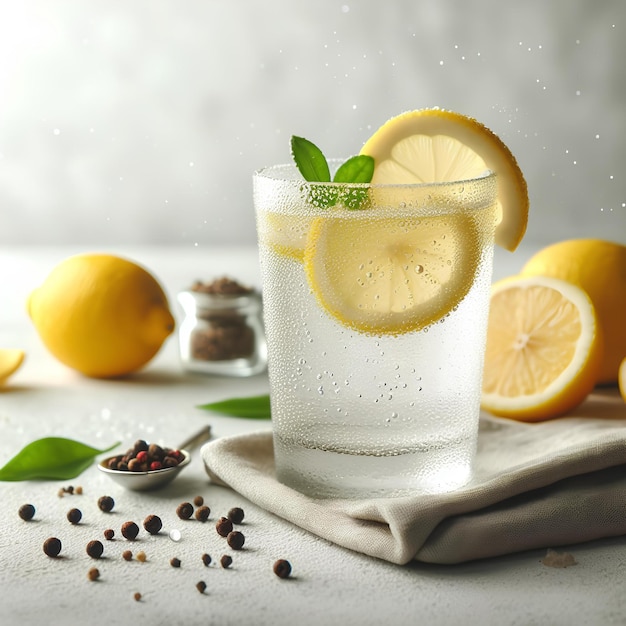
(356, 415)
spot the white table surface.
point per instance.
(330, 585)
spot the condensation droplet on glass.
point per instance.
(419, 269)
(394, 415)
(320, 390)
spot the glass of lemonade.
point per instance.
(375, 311)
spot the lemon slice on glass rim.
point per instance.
(386, 275)
(434, 145)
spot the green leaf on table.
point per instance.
(50, 458)
(254, 407)
(310, 160)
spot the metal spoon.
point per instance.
(154, 479)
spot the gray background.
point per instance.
(141, 122)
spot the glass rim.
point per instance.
(265, 173)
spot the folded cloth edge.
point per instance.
(396, 529)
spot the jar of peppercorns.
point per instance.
(222, 331)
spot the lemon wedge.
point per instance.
(382, 275)
(622, 378)
(10, 361)
(544, 348)
(433, 145)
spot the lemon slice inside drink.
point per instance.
(285, 234)
(383, 275)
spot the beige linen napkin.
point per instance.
(534, 486)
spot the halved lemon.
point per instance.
(285, 234)
(433, 145)
(544, 348)
(10, 361)
(383, 275)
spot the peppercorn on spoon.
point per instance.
(157, 478)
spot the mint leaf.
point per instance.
(357, 169)
(254, 407)
(313, 166)
(50, 458)
(310, 160)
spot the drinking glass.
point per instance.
(375, 301)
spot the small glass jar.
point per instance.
(222, 333)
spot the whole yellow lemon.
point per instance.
(599, 267)
(100, 314)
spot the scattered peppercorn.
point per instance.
(69, 489)
(95, 549)
(141, 556)
(109, 533)
(226, 561)
(202, 513)
(74, 516)
(130, 530)
(235, 515)
(201, 586)
(106, 504)
(206, 559)
(282, 568)
(184, 510)
(26, 512)
(223, 526)
(78, 491)
(153, 524)
(235, 540)
(93, 574)
(127, 555)
(198, 500)
(52, 546)
(137, 596)
(175, 562)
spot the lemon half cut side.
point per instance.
(544, 348)
(434, 145)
